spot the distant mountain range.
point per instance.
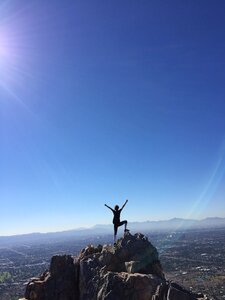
(175, 224)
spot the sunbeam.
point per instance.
(212, 184)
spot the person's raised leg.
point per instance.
(125, 225)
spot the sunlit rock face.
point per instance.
(128, 270)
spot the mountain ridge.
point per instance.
(174, 224)
(129, 270)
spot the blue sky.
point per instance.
(106, 100)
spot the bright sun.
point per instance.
(13, 72)
(2, 47)
(5, 49)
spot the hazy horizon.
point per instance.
(104, 101)
(106, 224)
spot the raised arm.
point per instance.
(109, 207)
(124, 204)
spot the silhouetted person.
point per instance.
(116, 218)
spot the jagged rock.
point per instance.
(173, 291)
(58, 283)
(176, 292)
(129, 270)
(116, 286)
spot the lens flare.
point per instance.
(211, 186)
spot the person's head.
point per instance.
(116, 207)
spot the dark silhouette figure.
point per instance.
(116, 218)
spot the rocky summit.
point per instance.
(130, 269)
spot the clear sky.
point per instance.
(106, 100)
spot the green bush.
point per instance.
(5, 276)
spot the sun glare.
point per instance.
(3, 48)
(11, 50)
(12, 70)
(8, 51)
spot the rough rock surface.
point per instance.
(129, 270)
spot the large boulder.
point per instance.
(127, 286)
(57, 283)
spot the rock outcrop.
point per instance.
(129, 270)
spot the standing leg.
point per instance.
(125, 225)
(115, 232)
